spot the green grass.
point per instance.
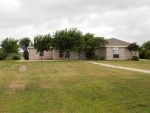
(72, 87)
(133, 64)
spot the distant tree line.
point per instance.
(65, 40)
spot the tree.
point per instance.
(43, 43)
(145, 50)
(133, 47)
(146, 45)
(147, 54)
(9, 46)
(68, 40)
(89, 45)
(2, 54)
(142, 53)
(24, 43)
(92, 43)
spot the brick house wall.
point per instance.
(55, 54)
(108, 52)
(124, 54)
(82, 55)
(72, 55)
(101, 52)
(33, 55)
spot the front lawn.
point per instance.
(72, 87)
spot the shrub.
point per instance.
(147, 54)
(15, 56)
(135, 58)
(101, 58)
(142, 53)
(97, 57)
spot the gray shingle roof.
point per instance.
(117, 42)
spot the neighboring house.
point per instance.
(114, 50)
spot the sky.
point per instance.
(127, 20)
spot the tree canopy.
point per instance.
(68, 40)
(43, 43)
(24, 43)
(145, 50)
(133, 47)
(146, 45)
(92, 43)
(9, 46)
(2, 54)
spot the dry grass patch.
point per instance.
(19, 82)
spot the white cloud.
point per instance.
(124, 19)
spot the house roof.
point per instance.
(113, 42)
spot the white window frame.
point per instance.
(116, 52)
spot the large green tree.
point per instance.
(145, 50)
(146, 45)
(68, 40)
(92, 43)
(2, 54)
(43, 43)
(24, 43)
(9, 46)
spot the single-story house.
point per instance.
(115, 50)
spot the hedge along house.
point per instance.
(114, 50)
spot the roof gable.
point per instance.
(116, 42)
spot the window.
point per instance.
(41, 54)
(115, 52)
(61, 54)
(66, 55)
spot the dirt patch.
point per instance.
(55, 82)
(45, 84)
(18, 83)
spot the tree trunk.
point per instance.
(41, 58)
(8, 57)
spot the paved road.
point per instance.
(120, 67)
